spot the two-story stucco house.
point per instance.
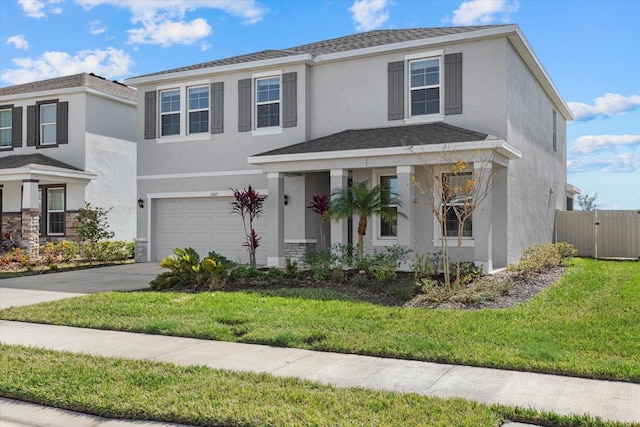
(63, 142)
(381, 106)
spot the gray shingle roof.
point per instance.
(340, 44)
(397, 136)
(18, 161)
(75, 80)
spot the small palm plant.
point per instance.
(364, 202)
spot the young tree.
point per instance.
(361, 201)
(453, 194)
(93, 226)
(587, 202)
(320, 205)
(249, 205)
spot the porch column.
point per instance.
(339, 179)
(483, 218)
(406, 194)
(275, 208)
(30, 239)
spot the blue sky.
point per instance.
(590, 48)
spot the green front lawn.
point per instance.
(586, 325)
(145, 390)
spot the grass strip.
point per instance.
(586, 325)
(145, 390)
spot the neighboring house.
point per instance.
(305, 120)
(63, 142)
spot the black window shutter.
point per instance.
(244, 105)
(217, 107)
(290, 100)
(453, 83)
(16, 127)
(62, 123)
(395, 74)
(32, 126)
(150, 115)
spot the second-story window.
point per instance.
(198, 109)
(47, 124)
(424, 86)
(268, 102)
(5, 127)
(170, 112)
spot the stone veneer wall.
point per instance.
(298, 251)
(141, 250)
(17, 224)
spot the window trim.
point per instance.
(452, 241)
(424, 56)
(184, 134)
(207, 88)
(269, 130)
(10, 128)
(43, 195)
(378, 239)
(41, 125)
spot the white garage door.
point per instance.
(205, 224)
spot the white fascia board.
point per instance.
(499, 145)
(112, 97)
(523, 47)
(189, 74)
(67, 91)
(572, 189)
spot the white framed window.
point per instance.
(198, 109)
(52, 210)
(457, 191)
(48, 113)
(268, 96)
(388, 229)
(5, 127)
(425, 87)
(170, 112)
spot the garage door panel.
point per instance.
(204, 225)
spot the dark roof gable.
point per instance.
(397, 136)
(340, 44)
(18, 161)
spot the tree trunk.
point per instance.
(362, 228)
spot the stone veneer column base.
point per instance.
(31, 231)
(141, 250)
(298, 251)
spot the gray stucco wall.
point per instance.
(532, 202)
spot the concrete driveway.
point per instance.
(53, 286)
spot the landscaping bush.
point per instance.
(17, 255)
(242, 271)
(539, 258)
(426, 265)
(188, 270)
(109, 250)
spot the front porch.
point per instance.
(40, 198)
(296, 173)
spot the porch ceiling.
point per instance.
(431, 143)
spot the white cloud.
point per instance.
(169, 33)
(110, 62)
(35, 8)
(608, 105)
(620, 163)
(369, 14)
(18, 41)
(591, 143)
(32, 8)
(164, 23)
(482, 12)
(97, 27)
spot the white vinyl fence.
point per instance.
(601, 233)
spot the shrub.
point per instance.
(241, 271)
(51, 252)
(426, 265)
(69, 250)
(291, 268)
(187, 269)
(109, 250)
(469, 273)
(20, 256)
(539, 258)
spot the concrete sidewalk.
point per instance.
(609, 400)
